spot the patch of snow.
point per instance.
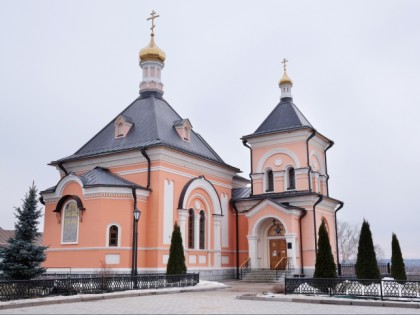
(210, 284)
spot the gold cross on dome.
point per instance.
(284, 63)
(153, 17)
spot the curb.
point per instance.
(332, 301)
(101, 296)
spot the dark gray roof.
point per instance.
(102, 177)
(153, 125)
(285, 116)
(240, 193)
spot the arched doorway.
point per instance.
(277, 246)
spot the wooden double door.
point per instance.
(278, 253)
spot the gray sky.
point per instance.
(69, 67)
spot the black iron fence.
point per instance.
(380, 289)
(349, 269)
(22, 289)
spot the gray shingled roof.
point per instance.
(100, 177)
(285, 116)
(240, 193)
(153, 125)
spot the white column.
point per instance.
(182, 221)
(253, 252)
(217, 224)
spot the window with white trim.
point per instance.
(70, 222)
(291, 178)
(113, 236)
(191, 231)
(202, 230)
(269, 180)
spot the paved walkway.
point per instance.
(220, 301)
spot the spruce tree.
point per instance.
(397, 261)
(324, 266)
(176, 263)
(366, 263)
(22, 257)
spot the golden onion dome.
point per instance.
(285, 79)
(152, 52)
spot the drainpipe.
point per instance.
(336, 236)
(60, 165)
(326, 169)
(304, 212)
(143, 151)
(315, 204)
(133, 251)
(245, 143)
(237, 238)
(307, 159)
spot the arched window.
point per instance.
(202, 230)
(269, 178)
(113, 236)
(191, 228)
(291, 178)
(70, 222)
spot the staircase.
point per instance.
(263, 275)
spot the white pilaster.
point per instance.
(182, 222)
(197, 231)
(168, 211)
(253, 250)
(217, 224)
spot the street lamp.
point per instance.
(137, 214)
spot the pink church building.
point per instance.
(150, 161)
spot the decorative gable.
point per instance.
(183, 127)
(123, 125)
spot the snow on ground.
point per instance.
(210, 284)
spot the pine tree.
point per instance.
(366, 263)
(397, 261)
(22, 258)
(324, 265)
(176, 263)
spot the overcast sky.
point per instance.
(67, 68)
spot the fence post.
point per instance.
(339, 269)
(382, 296)
(388, 267)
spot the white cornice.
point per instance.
(279, 138)
(266, 203)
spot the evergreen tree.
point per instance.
(176, 263)
(397, 261)
(324, 265)
(366, 263)
(22, 258)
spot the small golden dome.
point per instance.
(285, 79)
(152, 52)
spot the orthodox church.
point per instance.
(121, 193)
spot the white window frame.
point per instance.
(286, 177)
(107, 235)
(63, 219)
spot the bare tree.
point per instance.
(379, 251)
(348, 239)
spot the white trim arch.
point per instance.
(260, 222)
(268, 154)
(204, 184)
(65, 181)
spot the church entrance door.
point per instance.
(278, 254)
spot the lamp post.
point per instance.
(137, 214)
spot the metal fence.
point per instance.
(349, 269)
(22, 289)
(380, 289)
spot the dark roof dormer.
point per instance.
(122, 125)
(183, 127)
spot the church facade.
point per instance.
(121, 193)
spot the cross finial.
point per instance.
(284, 63)
(152, 17)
